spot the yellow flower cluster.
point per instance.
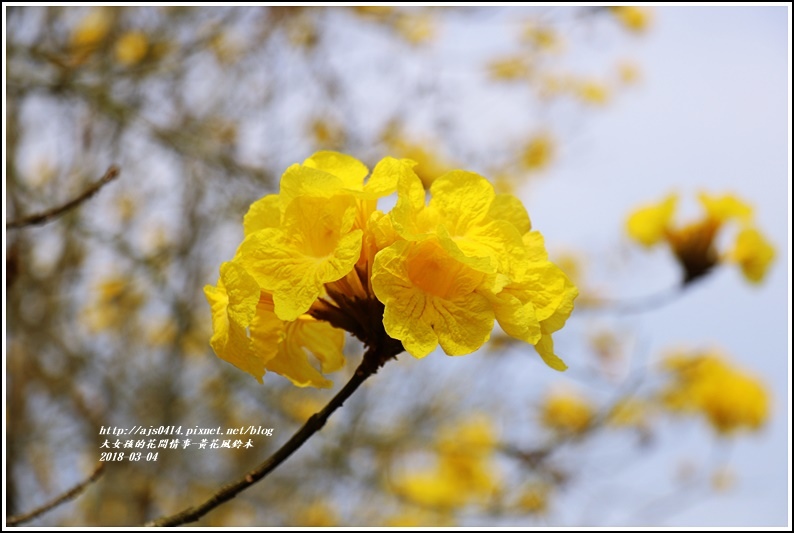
(566, 412)
(706, 383)
(319, 257)
(463, 473)
(633, 18)
(693, 245)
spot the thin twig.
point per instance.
(51, 214)
(65, 497)
(636, 305)
(369, 365)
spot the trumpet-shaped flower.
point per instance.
(694, 244)
(249, 335)
(430, 298)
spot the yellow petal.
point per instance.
(325, 342)
(462, 198)
(516, 318)
(292, 362)
(233, 303)
(349, 169)
(304, 181)
(264, 213)
(545, 348)
(648, 224)
(386, 175)
(753, 253)
(509, 208)
(726, 207)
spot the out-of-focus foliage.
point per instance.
(202, 109)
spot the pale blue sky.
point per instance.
(713, 113)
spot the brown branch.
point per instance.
(637, 305)
(63, 498)
(373, 359)
(51, 214)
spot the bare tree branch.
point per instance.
(63, 498)
(373, 359)
(51, 214)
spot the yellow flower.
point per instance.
(534, 498)
(430, 298)
(131, 48)
(648, 224)
(327, 132)
(416, 28)
(705, 382)
(541, 37)
(315, 244)
(463, 472)
(117, 299)
(323, 208)
(379, 13)
(633, 18)
(593, 92)
(320, 255)
(538, 152)
(566, 412)
(693, 244)
(509, 69)
(92, 29)
(466, 264)
(249, 335)
(753, 253)
(316, 514)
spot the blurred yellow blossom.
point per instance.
(633, 18)
(116, 298)
(534, 498)
(593, 92)
(416, 516)
(566, 412)
(541, 37)
(380, 13)
(416, 28)
(91, 30)
(464, 472)
(538, 152)
(509, 68)
(327, 133)
(706, 383)
(694, 244)
(429, 165)
(131, 48)
(316, 514)
(753, 253)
